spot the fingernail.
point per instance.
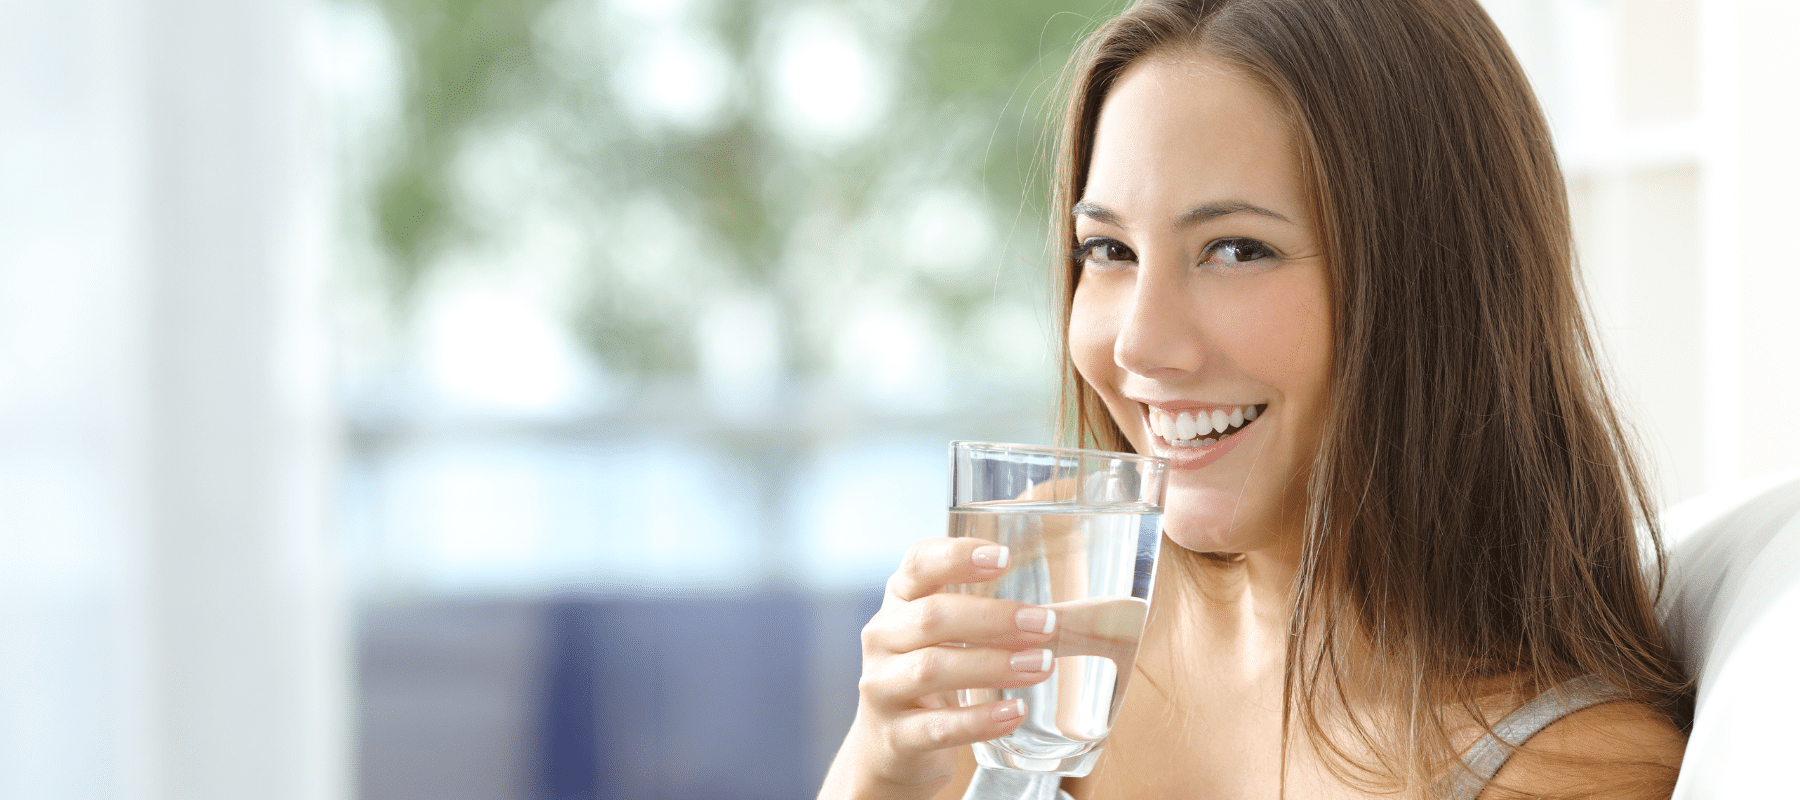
(1031, 661)
(1035, 619)
(1010, 709)
(992, 556)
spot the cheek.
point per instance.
(1284, 330)
(1092, 332)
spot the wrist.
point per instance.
(854, 776)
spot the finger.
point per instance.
(966, 619)
(932, 564)
(897, 683)
(926, 730)
(1110, 627)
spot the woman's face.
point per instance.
(1203, 299)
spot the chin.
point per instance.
(1207, 529)
(1209, 520)
(1197, 538)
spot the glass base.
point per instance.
(1075, 766)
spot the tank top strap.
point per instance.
(1481, 761)
(1484, 759)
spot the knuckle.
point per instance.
(926, 615)
(914, 560)
(877, 684)
(895, 738)
(926, 667)
(924, 556)
(873, 632)
(938, 731)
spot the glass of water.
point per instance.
(1084, 528)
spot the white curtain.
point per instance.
(170, 621)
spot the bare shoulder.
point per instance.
(1618, 751)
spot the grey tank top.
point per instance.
(1481, 761)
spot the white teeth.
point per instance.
(1185, 427)
(1188, 428)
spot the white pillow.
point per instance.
(1732, 609)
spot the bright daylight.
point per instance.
(925, 399)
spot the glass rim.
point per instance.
(1053, 450)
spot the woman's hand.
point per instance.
(1108, 627)
(903, 742)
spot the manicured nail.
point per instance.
(1010, 709)
(992, 556)
(1036, 619)
(1031, 661)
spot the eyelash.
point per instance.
(1083, 253)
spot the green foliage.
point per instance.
(464, 62)
(970, 82)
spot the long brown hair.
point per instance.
(1483, 528)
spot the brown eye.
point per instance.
(1102, 253)
(1235, 252)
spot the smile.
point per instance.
(1201, 427)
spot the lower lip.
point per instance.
(1187, 458)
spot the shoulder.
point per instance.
(1619, 751)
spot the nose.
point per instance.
(1162, 335)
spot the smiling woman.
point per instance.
(1320, 258)
(1202, 294)
(1440, 525)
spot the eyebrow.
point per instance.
(1204, 212)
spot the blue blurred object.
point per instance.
(570, 743)
(593, 697)
(681, 699)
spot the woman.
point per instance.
(1346, 216)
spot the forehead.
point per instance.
(1183, 130)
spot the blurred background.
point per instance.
(527, 398)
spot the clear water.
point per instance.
(1094, 566)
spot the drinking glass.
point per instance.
(1083, 528)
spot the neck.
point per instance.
(1243, 605)
(1269, 577)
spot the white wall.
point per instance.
(170, 625)
(1676, 120)
(1750, 106)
